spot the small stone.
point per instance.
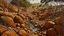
(23, 33)
(9, 33)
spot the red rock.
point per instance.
(9, 33)
(51, 32)
(9, 5)
(1, 9)
(9, 21)
(23, 33)
(48, 24)
(6, 14)
(2, 30)
(18, 19)
(59, 30)
(21, 15)
(13, 8)
(58, 20)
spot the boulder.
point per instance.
(9, 21)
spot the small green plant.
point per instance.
(33, 6)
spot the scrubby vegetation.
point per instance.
(24, 3)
